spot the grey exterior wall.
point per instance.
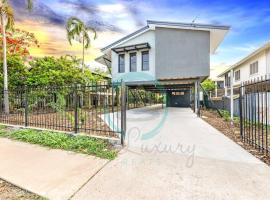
(182, 53)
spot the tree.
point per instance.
(74, 59)
(18, 42)
(45, 72)
(56, 71)
(17, 72)
(7, 22)
(77, 30)
(208, 85)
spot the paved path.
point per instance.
(186, 159)
(54, 174)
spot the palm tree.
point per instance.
(7, 22)
(77, 30)
(74, 59)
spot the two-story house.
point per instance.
(252, 67)
(167, 55)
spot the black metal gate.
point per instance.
(94, 109)
(254, 113)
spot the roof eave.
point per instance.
(189, 25)
(125, 38)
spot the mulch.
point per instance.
(11, 192)
(233, 132)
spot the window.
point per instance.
(237, 75)
(145, 60)
(253, 68)
(227, 80)
(133, 62)
(121, 63)
(178, 93)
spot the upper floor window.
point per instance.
(237, 75)
(227, 80)
(121, 63)
(145, 60)
(133, 62)
(253, 68)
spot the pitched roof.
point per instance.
(217, 32)
(125, 38)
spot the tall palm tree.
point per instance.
(7, 22)
(77, 30)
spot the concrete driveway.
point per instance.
(173, 154)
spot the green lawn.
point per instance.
(55, 140)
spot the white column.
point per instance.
(231, 96)
(199, 98)
(196, 97)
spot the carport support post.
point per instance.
(197, 98)
(231, 96)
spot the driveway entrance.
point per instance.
(173, 154)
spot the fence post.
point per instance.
(231, 97)
(26, 106)
(240, 110)
(76, 110)
(123, 112)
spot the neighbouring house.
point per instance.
(169, 57)
(253, 67)
(219, 88)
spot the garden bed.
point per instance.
(89, 122)
(232, 131)
(11, 192)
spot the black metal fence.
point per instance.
(95, 109)
(254, 113)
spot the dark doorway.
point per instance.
(179, 98)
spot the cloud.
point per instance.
(80, 6)
(40, 12)
(56, 16)
(133, 9)
(87, 10)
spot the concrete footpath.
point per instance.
(54, 174)
(186, 159)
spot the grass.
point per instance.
(55, 140)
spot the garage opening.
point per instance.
(169, 95)
(179, 98)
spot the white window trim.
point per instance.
(237, 80)
(254, 74)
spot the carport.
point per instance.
(176, 93)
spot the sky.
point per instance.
(113, 19)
